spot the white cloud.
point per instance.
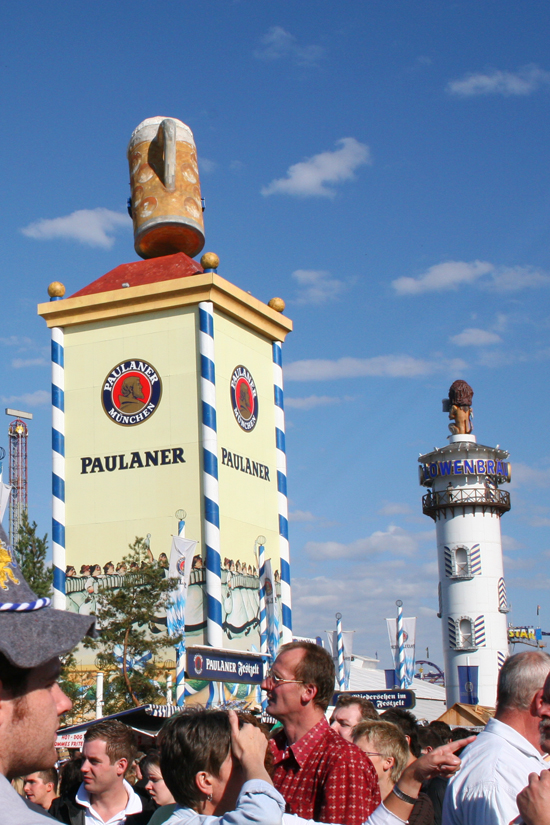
(316, 286)
(38, 398)
(206, 165)
(394, 508)
(19, 363)
(472, 337)
(512, 279)
(441, 277)
(94, 227)
(310, 176)
(453, 274)
(313, 401)
(279, 43)
(301, 516)
(393, 366)
(525, 476)
(394, 540)
(236, 166)
(525, 81)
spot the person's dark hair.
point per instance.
(193, 741)
(151, 758)
(460, 733)
(368, 711)
(13, 679)
(520, 677)
(428, 738)
(120, 740)
(70, 777)
(442, 728)
(49, 775)
(315, 668)
(405, 720)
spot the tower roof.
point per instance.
(150, 271)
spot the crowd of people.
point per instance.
(217, 767)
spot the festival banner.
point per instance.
(409, 640)
(468, 684)
(181, 559)
(272, 611)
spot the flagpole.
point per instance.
(340, 647)
(180, 650)
(400, 645)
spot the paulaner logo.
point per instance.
(244, 398)
(131, 392)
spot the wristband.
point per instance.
(410, 800)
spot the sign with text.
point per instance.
(216, 665)
(383, 699)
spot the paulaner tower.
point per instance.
(466, 504)
(167, 397)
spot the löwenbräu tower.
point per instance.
(466, 503)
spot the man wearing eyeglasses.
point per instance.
(320, 775)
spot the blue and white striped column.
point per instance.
(214, 633)
(400, 646)
(58, 466)
(263, 613)
(340, 650)
(284, 550)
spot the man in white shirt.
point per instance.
(104, 797)
(497, 765)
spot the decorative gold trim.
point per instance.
(180, 292)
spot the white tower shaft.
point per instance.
(466, 505)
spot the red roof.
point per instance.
(150, 271)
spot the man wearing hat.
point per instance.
(32, 638)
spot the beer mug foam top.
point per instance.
(166, 193)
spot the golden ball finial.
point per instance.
(56, 289)
(277, 304)
(210, 260)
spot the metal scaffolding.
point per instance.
(18, 436)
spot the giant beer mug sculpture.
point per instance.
(166, 195)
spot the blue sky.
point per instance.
(379, 164)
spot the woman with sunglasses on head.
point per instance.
(213, 765)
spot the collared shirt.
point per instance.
(91, 816)
(495, 768)
(258, 803)
(324, 777)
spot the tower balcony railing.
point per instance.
(491, 500)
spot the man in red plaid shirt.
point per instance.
(320, 775)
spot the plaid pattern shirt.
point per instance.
(325, 778)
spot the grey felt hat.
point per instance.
(31, 631)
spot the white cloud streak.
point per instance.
(93, 227)
(387, 366)
(525, 81)
(316, 286)
(394, 540)
(302, 516)
(21, 363)
(442, 277)
(310, 177)
(279, 44)
(472, 337)
(313, 401)
(38, 398)
(450, 275)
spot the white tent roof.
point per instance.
(430, 699)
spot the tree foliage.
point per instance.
(30, 551)
(124, 617)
